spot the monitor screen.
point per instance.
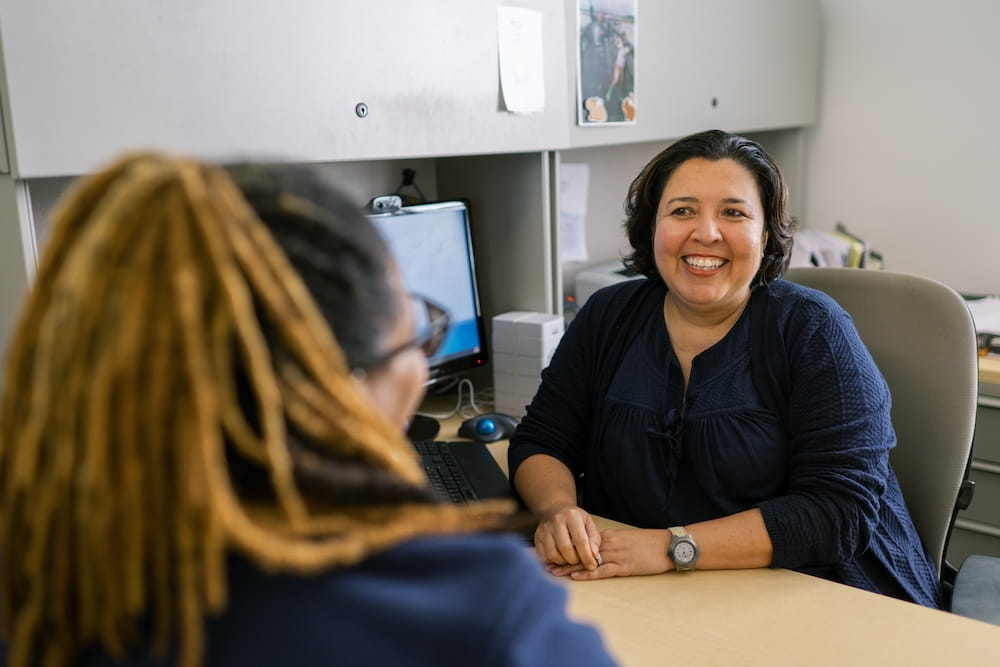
(433, 248)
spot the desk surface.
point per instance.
(766, 617)
(772, 617)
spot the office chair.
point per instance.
(922, 338)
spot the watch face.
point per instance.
(684, 552)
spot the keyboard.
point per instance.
(445, 472)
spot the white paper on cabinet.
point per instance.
(519, 45)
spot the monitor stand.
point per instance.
(423, 427)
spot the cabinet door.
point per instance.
(736, 65)
(274, 78)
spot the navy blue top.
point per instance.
(787, 413)
(458, 600)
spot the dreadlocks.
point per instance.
(167, 337)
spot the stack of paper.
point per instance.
(986, 314)
(523, 344)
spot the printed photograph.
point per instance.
(606, 88)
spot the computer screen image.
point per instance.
(432, 246)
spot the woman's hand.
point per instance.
(624, 552)
(568, 536)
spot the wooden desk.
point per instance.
(766, 617)
(772, 617)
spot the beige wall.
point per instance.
(906, 151)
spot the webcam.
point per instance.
(385, 204)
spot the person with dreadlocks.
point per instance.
(202, 459)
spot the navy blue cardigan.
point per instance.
(787, 413)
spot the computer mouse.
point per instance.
(488, 427)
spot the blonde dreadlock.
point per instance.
(120, 404)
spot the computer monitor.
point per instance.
(432, 245)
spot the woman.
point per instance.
(201, 449)
(735, 419)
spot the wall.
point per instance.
(905, 150)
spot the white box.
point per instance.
(503, 338)
(504, 342)
(505, 363)
(504, 323)
(505, 383)
(538, 347)
(510, 404)
(530, 366)
(539, 325)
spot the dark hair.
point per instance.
(336, 250)
(344, 263)
(645, 191)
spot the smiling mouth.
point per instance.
(704, 263)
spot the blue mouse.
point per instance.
(488, 427)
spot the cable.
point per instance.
(409, 176)
(463, 410)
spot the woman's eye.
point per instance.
(681, 210)
(733, 213)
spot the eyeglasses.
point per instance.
(431, 323)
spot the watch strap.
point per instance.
(679, 531)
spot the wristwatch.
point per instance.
(682, 551)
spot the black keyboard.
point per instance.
(445, 472)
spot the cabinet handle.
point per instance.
(988, 402)
(977, 527)
(985, 466)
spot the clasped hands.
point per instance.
(570, 544)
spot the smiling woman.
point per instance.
(736, 419)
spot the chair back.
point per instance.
(922, 337)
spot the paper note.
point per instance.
(574, 183)
(522, 71)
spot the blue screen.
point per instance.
(433, 250)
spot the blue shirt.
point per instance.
(442, 600)
(787, 413)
